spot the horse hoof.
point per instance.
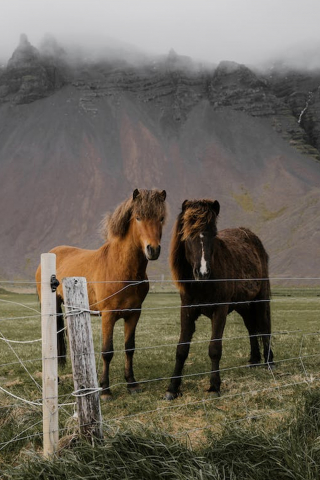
(172, 396)
(106, 396)
(254, 364)
(270, 366)
(134, 390)
(214, 393)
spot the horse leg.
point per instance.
(129, 335)
(263, 318)
(248, 315)
(218, 322)
(188, 318)
(61, 336)
(108, 323)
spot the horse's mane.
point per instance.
(194, 218)
(145, 204)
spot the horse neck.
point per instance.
(125, 258)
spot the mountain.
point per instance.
(77, 136)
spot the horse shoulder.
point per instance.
(66, 251)
(237, 240)
(75, 262)
(242, 252)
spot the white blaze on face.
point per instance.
(203, 263)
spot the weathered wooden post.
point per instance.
(49, 355)
(82, 356)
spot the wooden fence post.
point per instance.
(82, 356)
(49, 356)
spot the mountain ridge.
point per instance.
(74, 148)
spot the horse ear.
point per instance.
(135, 194)
(163, 195)
(184, 205)
(216, 207)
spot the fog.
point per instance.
(244, 31)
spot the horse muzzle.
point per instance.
(199, 274)
(152, 253)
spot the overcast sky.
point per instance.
(245, 31)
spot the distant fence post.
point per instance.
(49, 356)
(82, 356)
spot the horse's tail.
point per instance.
(264, 319)
(262, 307)
(61, 335)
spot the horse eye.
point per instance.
(138, 219)
(161, 219)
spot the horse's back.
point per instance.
(70, 262)
(241, 241)
(243, 256)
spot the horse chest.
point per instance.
(133, 298)
(123, 297)
(206, 298)
(210, 291)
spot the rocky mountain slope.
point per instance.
(76, 137)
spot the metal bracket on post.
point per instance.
(54, 283)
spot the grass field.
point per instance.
(250, 396)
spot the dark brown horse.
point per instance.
(217, 273)
(116, 273)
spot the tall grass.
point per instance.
(257, 411)
(290, 452)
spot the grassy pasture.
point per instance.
(250, 396)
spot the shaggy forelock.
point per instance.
(196, 218)
(148, 204)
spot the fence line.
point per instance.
(21, 363)
(150, 278)
(107, 423)
(301, 357)
(21, 305)
(167, 345)
(207, 400)
(146, 309)
(97, 312)
(170, 407)
(207, 372)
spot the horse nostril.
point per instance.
(196, 273)
(153, 253)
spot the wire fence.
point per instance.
(247, 393)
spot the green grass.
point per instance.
(290, 451)
(253, 399)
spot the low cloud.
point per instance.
(244, 31)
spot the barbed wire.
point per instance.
(88, 390)
(300, 357)
(171, 407)
(20, 305)
(78, 311)
(24, 400)
(23, 342)
(161, 346)
(171, 281)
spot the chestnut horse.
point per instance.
(217, 273)
(116, 274)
